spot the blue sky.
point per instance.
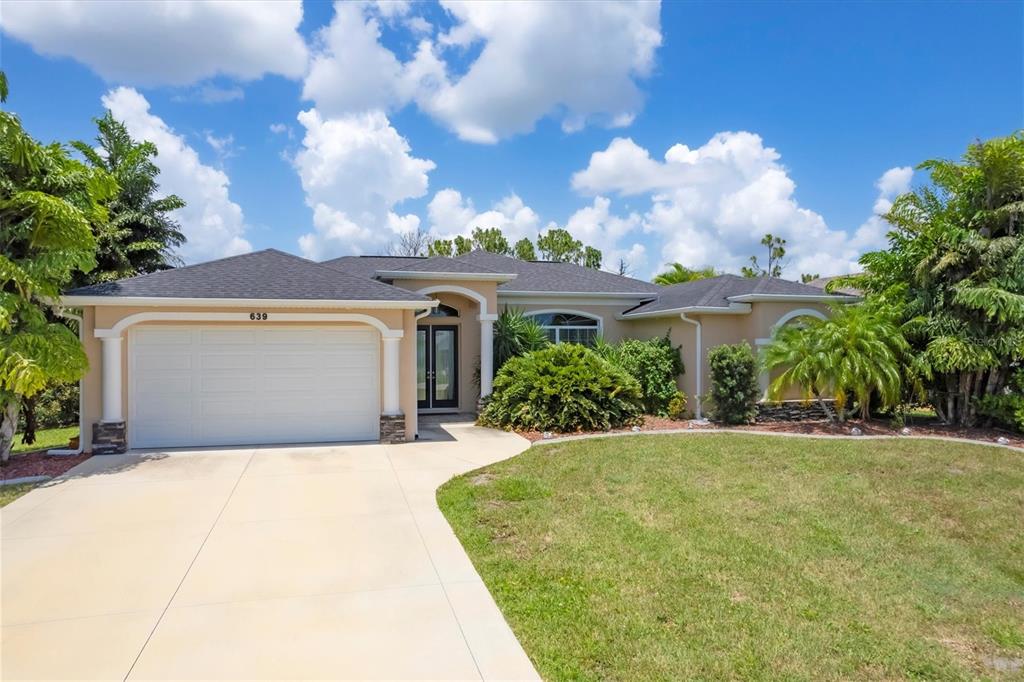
(443, 117)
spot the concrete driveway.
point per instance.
(273, 563)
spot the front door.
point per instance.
(437, 375)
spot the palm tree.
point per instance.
(679, 274)
(860, 351)
(516, 334)
(141, 234)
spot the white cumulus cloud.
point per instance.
(165, 42)
(578, 62)
(212, 223)
(711, 205)
(450, 214)
(355, 170)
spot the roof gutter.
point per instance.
(580, 294)
(733, 309)
(806, 298)
(699, 363)
(149, 301)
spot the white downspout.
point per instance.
(81, 399)
(700, 363)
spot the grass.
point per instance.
(46, 439)
(728, 556)
(9, 493)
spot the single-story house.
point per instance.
(268, 347)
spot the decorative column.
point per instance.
(109, 434)
(392, 421)
(486, 353)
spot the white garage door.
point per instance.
(194, 385)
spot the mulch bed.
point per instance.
(871, 428)
(39, 464)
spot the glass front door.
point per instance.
(437, 374)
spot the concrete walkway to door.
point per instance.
(328, 562)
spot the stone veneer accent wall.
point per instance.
(392, 428)
(790, 411)
(109, 438)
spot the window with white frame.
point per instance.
(569, 327)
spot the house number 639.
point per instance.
(257, 316)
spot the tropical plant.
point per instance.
(49, 205)
(955, 265)
(859, 352)
(516, 334)
(678, 407)
(776, 253)
(734, 386)
(565, 387)
(1007, 407)
(655, 364)
(141, 234)
(678, 273)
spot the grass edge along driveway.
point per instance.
(730, 556)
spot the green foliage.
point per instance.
(1007, 407)
(49, 204)
(491, 240)
(560, 246)
(565, 388)
(955, 266)
(140, 235)
(678, 407)
(516, 334)
(523, 250)
(808, 277)
(655, 364)
(734, 389)
(679, 274)
(860, 351)
(55, 406)
(440, 247)
(776, 252)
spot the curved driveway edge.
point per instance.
(257, 563)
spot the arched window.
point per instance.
(443, 310)
(568, 327)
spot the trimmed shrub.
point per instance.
(734, 389)
(677, 407)
(655, 364)
(565, 387)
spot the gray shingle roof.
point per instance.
(442, 264)
(366, 266)
(822, 282)
(715, 292)
(549, 277)
(268, 274)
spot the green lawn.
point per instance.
(727, 556)
(46, 439)
(9, 493)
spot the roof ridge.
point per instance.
(144, 275)
(714, 291)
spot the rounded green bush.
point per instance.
(563, 388)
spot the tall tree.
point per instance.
(491, 240)
(523, 250)
(776, 253)
(141, 234)
(592, 257)
(955, 263)
(411, 243)
(558, 245)
(679, 274)
(49, 207)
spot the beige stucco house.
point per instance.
(272, 348)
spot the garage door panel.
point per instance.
(223, 386)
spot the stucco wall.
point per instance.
(105, 317)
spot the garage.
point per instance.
(195, 385)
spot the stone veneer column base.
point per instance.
(108, 438)
(392, 428)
